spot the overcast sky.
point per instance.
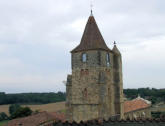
(36, 37)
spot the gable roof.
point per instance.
(35, 120)
(92, 38)
(42, 117)
(136, 104)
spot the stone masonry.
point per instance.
(95, 87)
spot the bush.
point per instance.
(3, 116)
(21, 112)
(17, 111)
(13, 108)
(158, 114)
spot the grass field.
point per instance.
(52, 107)
(2, 123)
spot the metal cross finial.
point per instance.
(114, 42)
(91, 5)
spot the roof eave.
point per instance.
(84, 50)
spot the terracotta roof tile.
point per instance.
(135, 104)
(37, 119)
(42, 117)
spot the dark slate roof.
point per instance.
(92, 38)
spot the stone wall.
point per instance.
(141, 113)
(94, 87)
(118, 84)
(95, 58)
(85, 112)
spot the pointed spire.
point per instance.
(115, 49)
(92, 38)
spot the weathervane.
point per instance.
(91, 6)
(114, 43)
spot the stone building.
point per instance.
(95, 87)
(137, 108)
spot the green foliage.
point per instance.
(3, 123)
(2, 97)
(31, 98)
(162, 115)
(3, 116)
(158, 114)
(154, 95)
(13, 108)
(155, 114)
(21, 112)
(16, 111)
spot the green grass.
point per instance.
(2, 123)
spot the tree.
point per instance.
(21, 112)
(13, 108)
(2, 97)
(3, 116)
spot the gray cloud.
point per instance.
(36, 37)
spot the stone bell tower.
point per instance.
(95, 88)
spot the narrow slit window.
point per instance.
(84, 57)
(108, 59)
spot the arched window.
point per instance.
(84, 57)
(108, 59)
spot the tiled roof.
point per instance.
(36, 119)
(92, 38)
(42, 117)
(136, 104)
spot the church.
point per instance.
(94, 89)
